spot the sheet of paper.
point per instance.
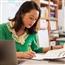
(38, 56)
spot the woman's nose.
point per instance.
(33, 21)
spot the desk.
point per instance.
(43, 62)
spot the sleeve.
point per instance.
(35, 45)
(2, 34)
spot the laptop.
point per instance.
(7, 52)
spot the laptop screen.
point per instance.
(7, 52)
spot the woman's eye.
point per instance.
(31, 18)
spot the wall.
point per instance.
(8, 9)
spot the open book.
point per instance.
(52, 54)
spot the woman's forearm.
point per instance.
(52, 47)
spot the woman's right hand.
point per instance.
(25, 55)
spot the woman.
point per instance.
(22, 29)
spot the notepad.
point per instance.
(52, 54)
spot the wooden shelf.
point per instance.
(46, 3)
(53, 19)
(52, 14)
(44, 18)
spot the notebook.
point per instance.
(7, 52)
(52, 54)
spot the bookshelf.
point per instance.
(51, 16)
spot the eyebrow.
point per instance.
(34, 17)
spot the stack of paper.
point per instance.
(52, 54)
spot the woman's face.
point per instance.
(30, 18)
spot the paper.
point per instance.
(38, 56)
(52, 54)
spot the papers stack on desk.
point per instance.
(52, 54)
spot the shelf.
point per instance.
(52, 4)
(52, 8)
(44, 2)
(47, 3)
(44, 19)
(53, 19)
(50, 14)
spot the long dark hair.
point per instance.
(25, 8)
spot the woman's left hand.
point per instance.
(58, 47)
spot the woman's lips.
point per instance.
(30, 25)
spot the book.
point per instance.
(52, 54)
(53, 25)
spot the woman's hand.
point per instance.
(58, 47)
(25, 55)
(52, 47)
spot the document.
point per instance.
(52, 54)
